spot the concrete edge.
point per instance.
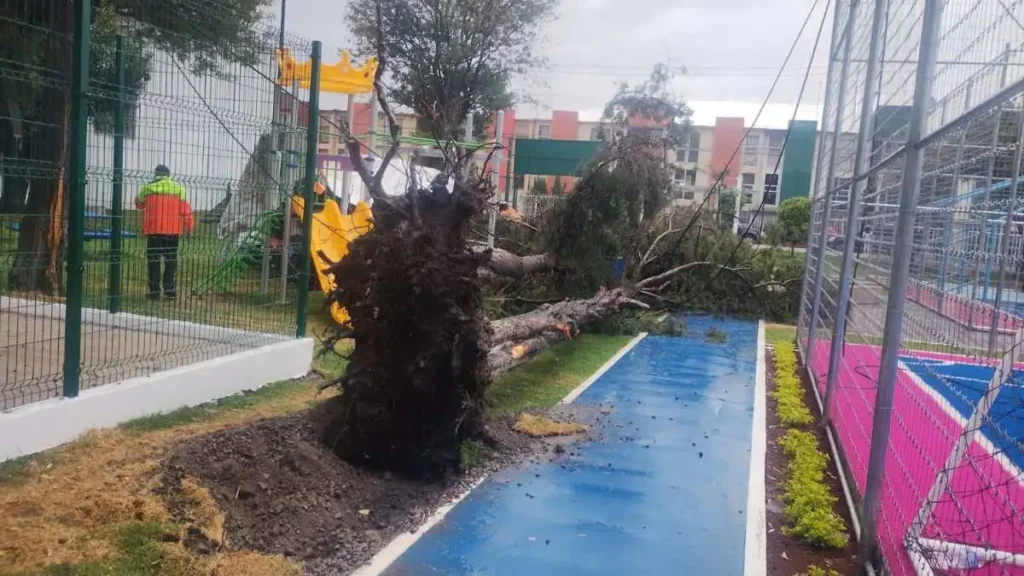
(398, 546)
(43, 425)
(755, 557)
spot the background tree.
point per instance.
(539, 187)
(727, 208)
(557, 189)
(36, 54)
(450, 58)
(791, 223)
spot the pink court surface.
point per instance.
(982, 506)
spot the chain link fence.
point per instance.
(147, 159)
(912, 313)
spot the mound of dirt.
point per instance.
(283, 491)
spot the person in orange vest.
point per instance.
(166, 215)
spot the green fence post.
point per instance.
(309, 179)
(117, 193)
(76, 199)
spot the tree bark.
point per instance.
(505, 263)
(517, 338)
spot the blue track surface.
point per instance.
(964, 384)
(664, 492)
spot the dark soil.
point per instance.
(284, 492)
(787, 555)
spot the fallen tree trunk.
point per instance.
(517, 338)
(505, 263)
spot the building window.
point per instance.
(543, 131)
(323, 150)
(523, 131)
(325, 136)
(691, 148)
(750, 149)
(686, 177)
(688, 194)
(519, 182)
(771, 188)
(775, 140)
(747, 182)
(597, 133)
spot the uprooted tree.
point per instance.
(424, 350)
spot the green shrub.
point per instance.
(632, 322)
(716, 335)
(789, 391)
(815, 570)
(808, 500)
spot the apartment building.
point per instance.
(745, 161)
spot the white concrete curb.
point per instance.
(755, 557)
(42, 425)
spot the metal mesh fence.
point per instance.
(913, 308)
(111, 268)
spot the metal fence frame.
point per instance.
(73, 310)
(877, 48)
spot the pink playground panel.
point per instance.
(969, 313)
(987, 495)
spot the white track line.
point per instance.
(981, 439)
(387, 555)
(755, 558)
(572, 396)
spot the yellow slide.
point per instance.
(332, 232)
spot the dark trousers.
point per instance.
(161, 248)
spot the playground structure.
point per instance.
(911, 324)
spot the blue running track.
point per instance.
(662, 491)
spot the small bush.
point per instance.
(632, 322)
(808, 500)
(815, 570)
(471, 454)
(789, 391)
(716, 335)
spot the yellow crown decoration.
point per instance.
(340, 78)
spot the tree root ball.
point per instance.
(414, 386)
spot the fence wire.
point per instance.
(941, 440)
(163, 284)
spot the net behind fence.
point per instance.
(182, 238)
(913, 308)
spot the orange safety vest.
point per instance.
(165, 209)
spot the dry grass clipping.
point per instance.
(542, 427)
(251, 564)
(68, 512)
(202, 511)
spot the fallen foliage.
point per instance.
(543, 427)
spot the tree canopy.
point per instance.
(448, 59)
(791, 224)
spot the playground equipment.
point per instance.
(251, 218)
(331, 233)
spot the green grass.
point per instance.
(203, 412)
(138, 554)
(547, 378)
(471, 454)
(779, 333)
(24, 468)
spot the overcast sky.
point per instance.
(732, 50)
